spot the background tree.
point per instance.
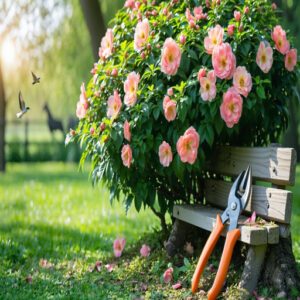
(94, 20)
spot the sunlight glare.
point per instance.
(8, 53)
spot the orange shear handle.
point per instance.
(231, 238)
(206, 252)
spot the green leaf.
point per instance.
(156, 112)
(178, 167)
(209, 134)
(151, 196)
(261, 92)
(137, 203)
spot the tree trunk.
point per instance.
(94, 20)
(2, 122)
(291, 138)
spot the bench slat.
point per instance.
(205, 217)
(269, 203)
(272, 164)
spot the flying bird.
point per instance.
(23, 106)
(35, 78)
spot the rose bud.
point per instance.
(170, 92)
(92, 130)
(114, 73)
(102, 127)
(230, 29)
(182, 39)
(237, 15)
(246, 10)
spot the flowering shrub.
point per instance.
(174, 79)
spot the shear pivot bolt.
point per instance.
(233, 206)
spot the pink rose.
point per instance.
(169, 107)
(126, 130)
(126, 156)
(281, 42)
(290, 60)
(129, 4)
(190, 18)
(95, 68)
(230, 29)
(168, 275)
(201, 73)
(130, 88)
(114, 105)
(208, 89)
(119, 245)
(274, 6)
(170, 57)
(165, 154)
(223, 61)
(198, 13)
(145, 250)
(231, 107)
(264, 57)
(214, 38)
(242, 81)
(237, 15)
(141, 34)
(106, 48)
(82, 104)
(187, 146)
(246, 10)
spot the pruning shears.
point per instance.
(238, 198)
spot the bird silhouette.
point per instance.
(35, 78)
(23, 106)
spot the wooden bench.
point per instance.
(273, 169)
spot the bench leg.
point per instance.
(252, 268)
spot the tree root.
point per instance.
(280, 270)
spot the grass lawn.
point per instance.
(50, 211)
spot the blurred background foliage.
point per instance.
(52, 39)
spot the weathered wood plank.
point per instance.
(205, 217)
(273, 233)
(276, 165)
(269, 203)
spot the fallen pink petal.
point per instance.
(177, 286)
(110, 267)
